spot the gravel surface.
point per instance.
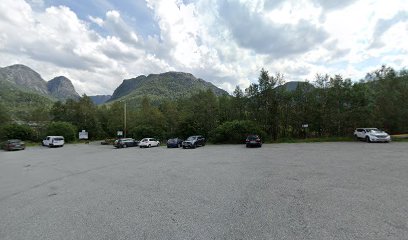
(324, 191)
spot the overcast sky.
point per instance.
(98, 43)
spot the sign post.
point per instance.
(305, 126)
(83, 135)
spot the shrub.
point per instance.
(235, 132)
(16, 131)
(67, 130)
(143, 131)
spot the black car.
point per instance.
(125, 142)
(174, 142)
(13, 144)
(193, 142)
(253, 141)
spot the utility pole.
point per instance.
(124, 120)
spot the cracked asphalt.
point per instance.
(350, 190)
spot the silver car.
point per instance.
(372, 135)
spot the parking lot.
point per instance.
(350, 190)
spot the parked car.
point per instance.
(174, 143)
(125, 142)
(372, 135)
(13, 144)
(253, 141)
(53, 141)
(193, 142)
(108, 141)
(149, 142)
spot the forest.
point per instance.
(328, 106)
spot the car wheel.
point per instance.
(184, 147)
(368, 139)
(247, 145)
(194, 145)
(149, 146)
(125, 146)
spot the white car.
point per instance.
(53, 141)
(148, 142)
(372, 135)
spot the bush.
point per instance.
(67, 130)
(16, 131)
(235, 132)
(143, 131)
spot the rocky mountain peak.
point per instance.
(62, 88)
(25, 77)
(168, 85)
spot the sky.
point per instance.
(98, 43)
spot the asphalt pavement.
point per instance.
(351, 190)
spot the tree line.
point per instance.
(330, 106)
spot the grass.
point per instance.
(33, 144)
(400, 139)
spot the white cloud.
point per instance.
(98, 21)
(226, 42)
(56, 41)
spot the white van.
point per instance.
(53, 141)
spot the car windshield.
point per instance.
(172, 140)
(191, 138)
(145, 140)
(14, 141)
(253, 137)
(375, 131)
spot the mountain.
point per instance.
(20, 102)
(292, 86)
(169, 85)
(25, 94)
(24, 77)
(62, 88)
(100, 99)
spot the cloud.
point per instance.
(226, 42)
(333, 4)
(116, 26)
(98, 21)
(383, 25)
(253, 31)
(36, 3)
(272, 4)
(56, 40)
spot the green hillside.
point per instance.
(21, 103)
(157, 87)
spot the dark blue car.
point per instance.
(174, 142)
